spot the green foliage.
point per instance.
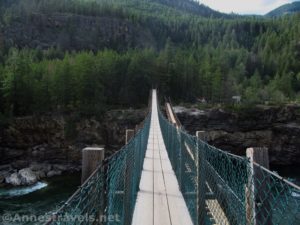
(197, 53)
(17, 83)
(293, 7)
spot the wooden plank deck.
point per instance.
(159, 200)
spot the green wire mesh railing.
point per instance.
(220, 188)
(109, 195)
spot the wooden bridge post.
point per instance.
(92, 157)
(201, 179)
(129, 135)
(256, 190)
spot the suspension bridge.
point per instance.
(165, 176)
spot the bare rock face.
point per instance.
(47, 146)
(58, 140)
(117, 121)
(277, 128)
(90, 131)
(286, 144)
(40, 139)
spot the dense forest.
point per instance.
(97, 54)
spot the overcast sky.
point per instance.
(245, 6)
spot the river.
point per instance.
(291, 173)
(51, 194)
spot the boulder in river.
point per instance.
(23, 177)
(13, 179)
(27, 176)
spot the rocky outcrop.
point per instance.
(51, 145)
(277, 128)
(33, 173)
(117, 121)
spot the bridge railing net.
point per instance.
(109, 195)
(220, 188)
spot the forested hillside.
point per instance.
(290, 8)
(88, 55)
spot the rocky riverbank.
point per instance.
(33, 148)
(277, 128)
(34, 173)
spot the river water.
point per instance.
(49, 195)
(39, 199)
(291, 173)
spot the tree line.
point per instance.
(87, 82)
(193, 57)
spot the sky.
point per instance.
(245, 6)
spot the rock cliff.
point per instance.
(50, 145)
(277, 128)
